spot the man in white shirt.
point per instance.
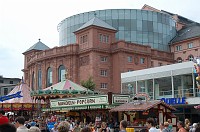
(19, 123)
(151, 125)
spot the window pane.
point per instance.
(163, 88)
(133, 24)
(121, 14)
(133, 14)
(127, 14)
(139, 25)
(114, 14)
(144, 26)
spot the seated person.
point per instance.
(135, 122)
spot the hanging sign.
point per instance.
(8, 97)
(71, 102)
(120, 99)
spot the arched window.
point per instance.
(39, 79)
(61, 73)
(49, 77)
(33, 78)
(179, 60)
(190, 57)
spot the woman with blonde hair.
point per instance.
(187, 124)
(34, 129)
(103, 127)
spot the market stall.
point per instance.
(62, 89)
(19, 101)
(137, 111)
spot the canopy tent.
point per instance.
(61, 89)
(22, 101)
(143, 106)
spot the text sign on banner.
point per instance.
(7, 97)
(79, 101)
(117, 99)
(172, 101)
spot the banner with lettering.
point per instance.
(71, 102)
(7, 97)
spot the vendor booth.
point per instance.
(137, 111)
(19, 102)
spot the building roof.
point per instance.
(144, 106)
(96, 22)
(158, 72)
(181, 18)
(187, 32)
(38, 46)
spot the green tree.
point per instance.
(88, 84)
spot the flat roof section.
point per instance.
(158, 72)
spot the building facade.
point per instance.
(103, 44)
(136, 26)
(174, 84)
(7, 84)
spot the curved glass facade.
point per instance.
(136, 26)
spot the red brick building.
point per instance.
(97, 54)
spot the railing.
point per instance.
(186, 93)
(53, 52)
(157, 53)
(130, 46)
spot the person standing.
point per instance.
(19, 123)
(63, 126)
(103, 127)
(187, 124)
(180, 127)
(123, 125)
(170, 125)
(161, 126)
(8, 127)
(166, 127)
(3, 119)
(34, 129)
(111, 126)
(76, 128)
(151, 125)
(55, 128)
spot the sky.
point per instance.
(23, 22)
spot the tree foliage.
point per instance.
(88, 84)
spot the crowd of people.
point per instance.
(168, 127)
(20, 125)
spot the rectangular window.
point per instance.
(83, 39)
(104, 73)
(104, 38)
(5, 91)
(160, 64)
(178, 48)
(142, 60)
(130, 59)
(190, 45)
(100, 37)
(104, 85)
(107, 39)
(1, 81)
(104, 58)
(11, 82)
